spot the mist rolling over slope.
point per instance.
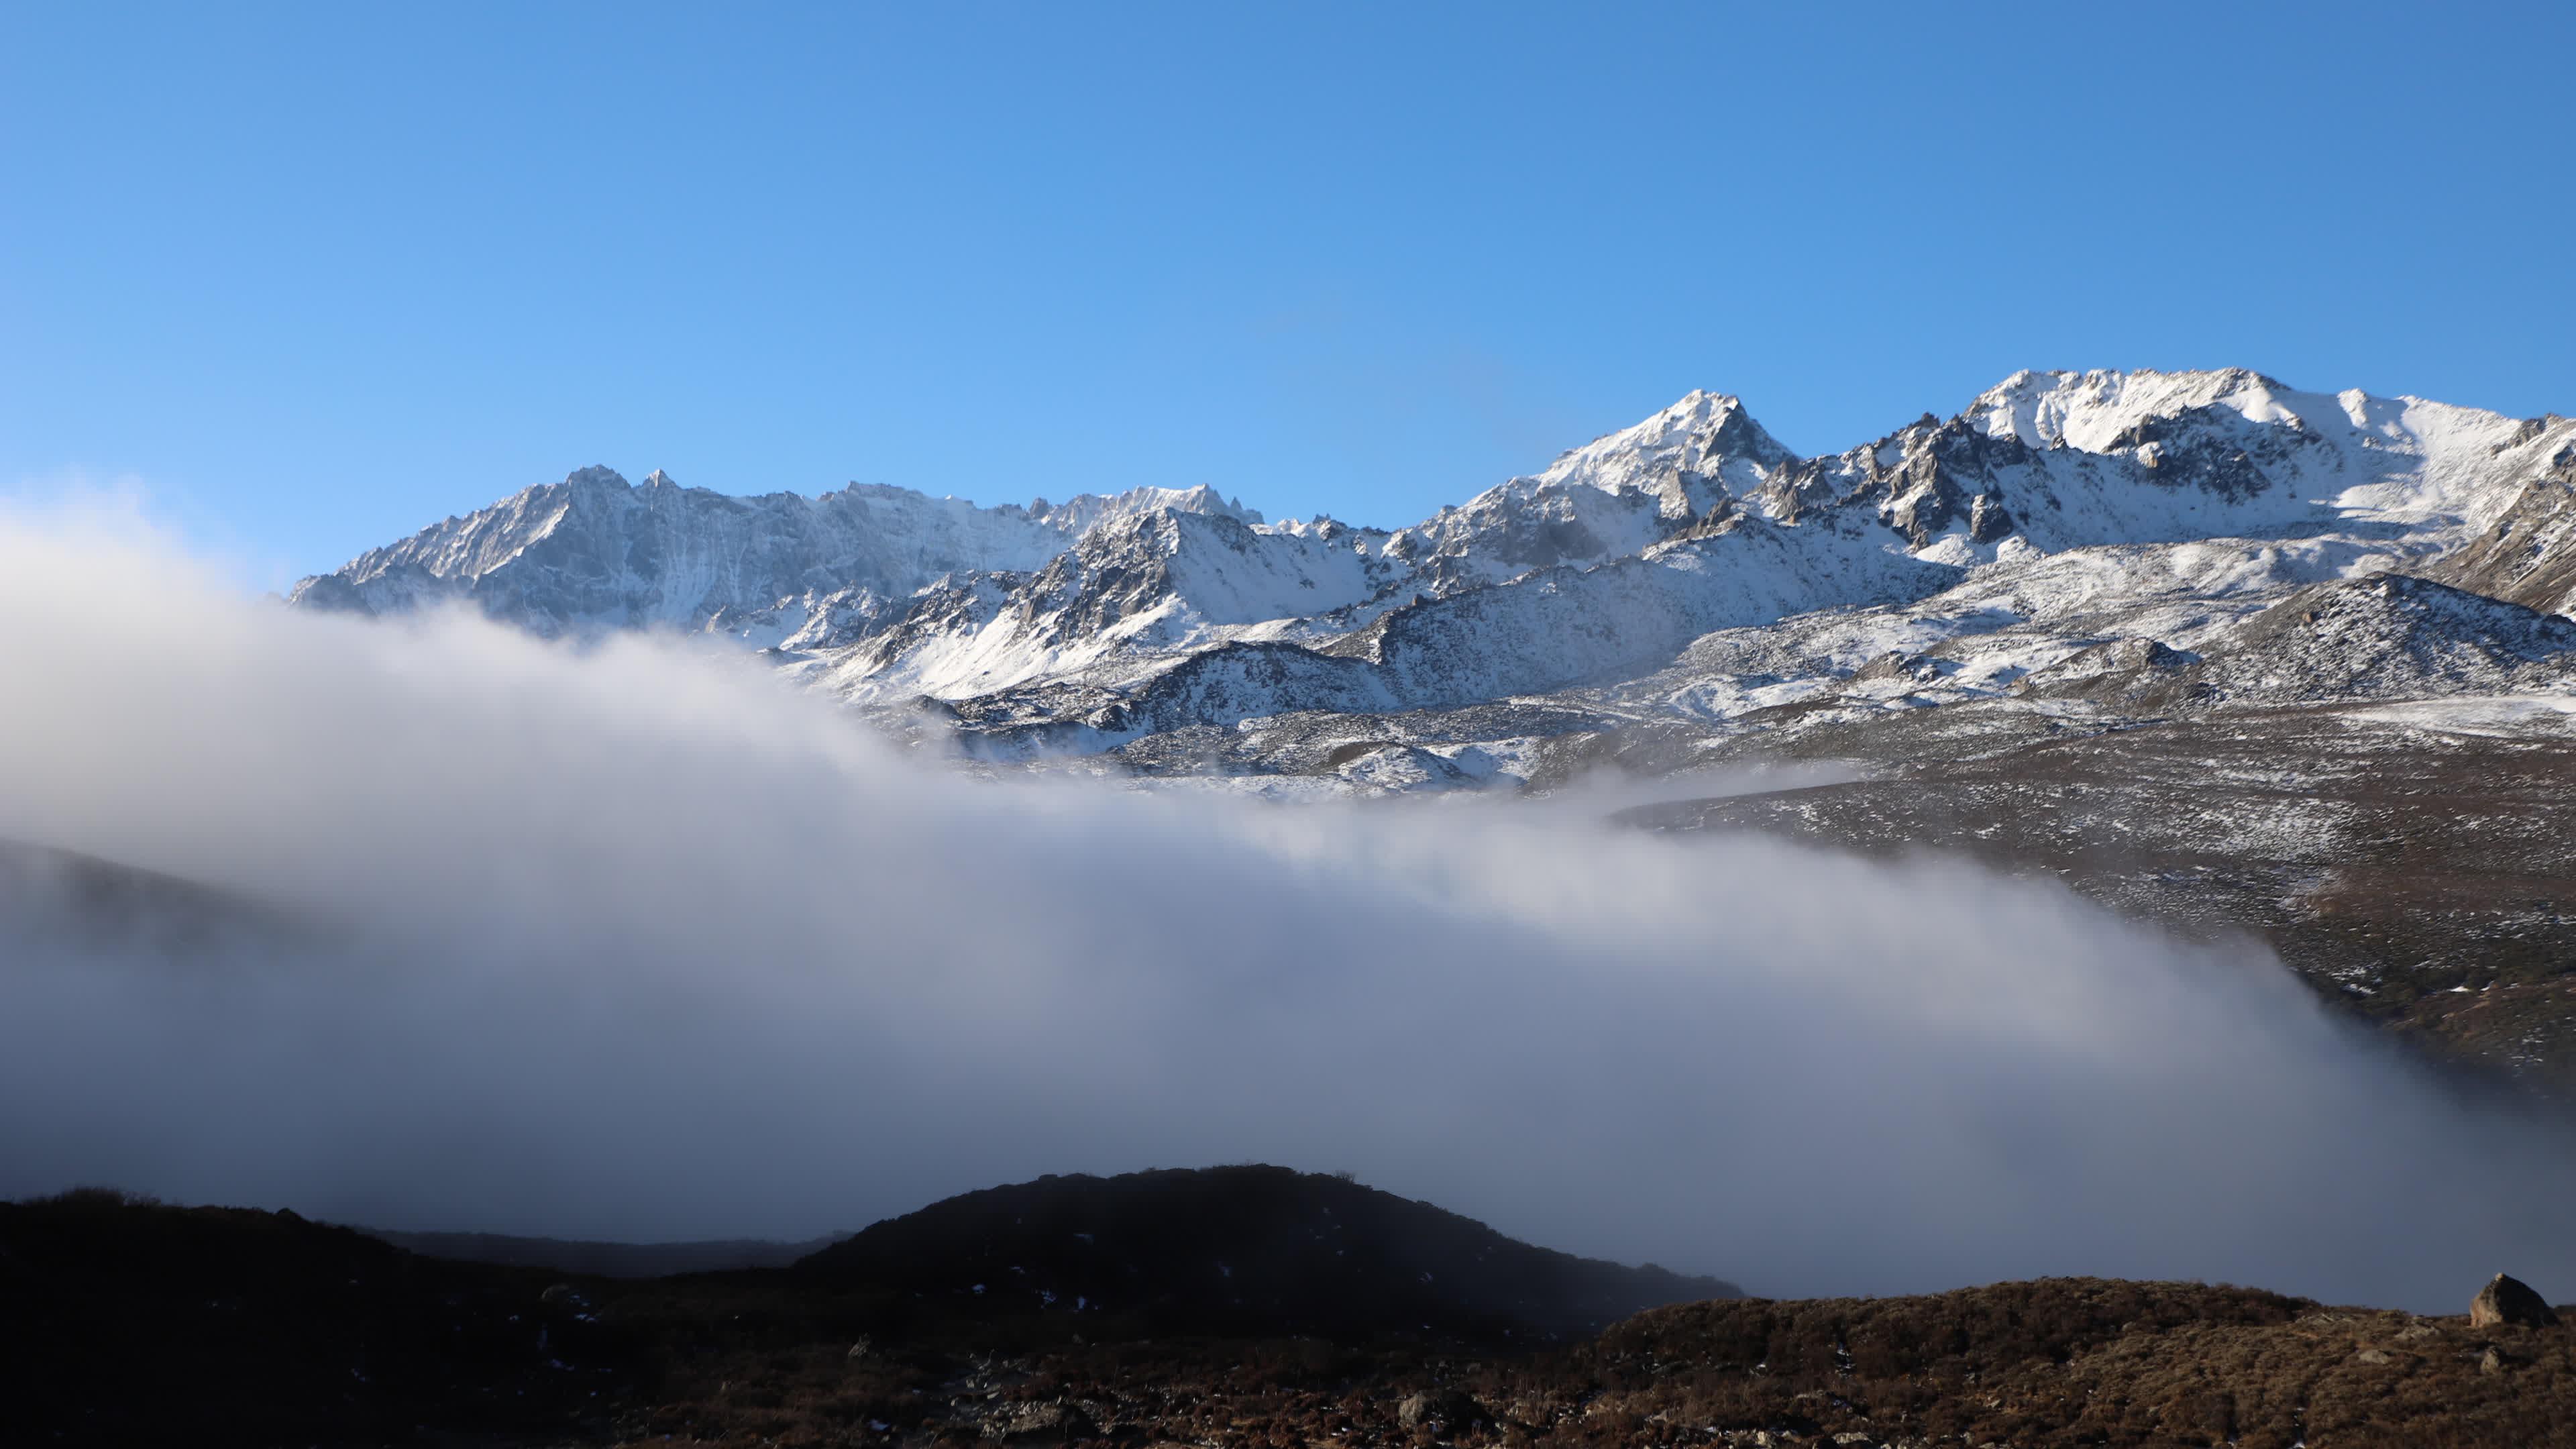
(634, 940)
(1257, 727)
(2230, 655)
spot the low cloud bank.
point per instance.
(633, 942)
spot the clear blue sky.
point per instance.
(319, 275)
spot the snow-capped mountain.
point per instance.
(595, 552)
(1133, 592)
(2206, 647)
(1689, 571)
(1616, 495)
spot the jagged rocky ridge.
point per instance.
(1686, 577)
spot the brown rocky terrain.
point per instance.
(2413, 871)
(127, 1322)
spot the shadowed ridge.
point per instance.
(1213, 1247)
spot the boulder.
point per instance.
(1450, 1408)
(1042, 1424)
(1897, 664)
(2510, 1300)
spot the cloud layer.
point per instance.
(633, 942)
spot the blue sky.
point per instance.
(314, 276)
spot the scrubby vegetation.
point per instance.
(131, 1322)
(2070, 1362)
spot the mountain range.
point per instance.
(1689, 570)
(2234, 655)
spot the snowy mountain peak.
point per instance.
(2092, 410)
(1705, 433)
(1620, 494)
(596, 476)
(1079, 515)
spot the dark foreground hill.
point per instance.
(128, 1323)
(1264, 1248)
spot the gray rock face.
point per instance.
(2528, 555)
(1451, 1409)
(2507, 1300)
(1041, 1424)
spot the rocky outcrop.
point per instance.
(2509, 1300)
(1448, 1409)
(1036, 1424)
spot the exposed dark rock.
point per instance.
(2510, 1300)
(1897, 664)
(1448, 1408)
(1041, 1424)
